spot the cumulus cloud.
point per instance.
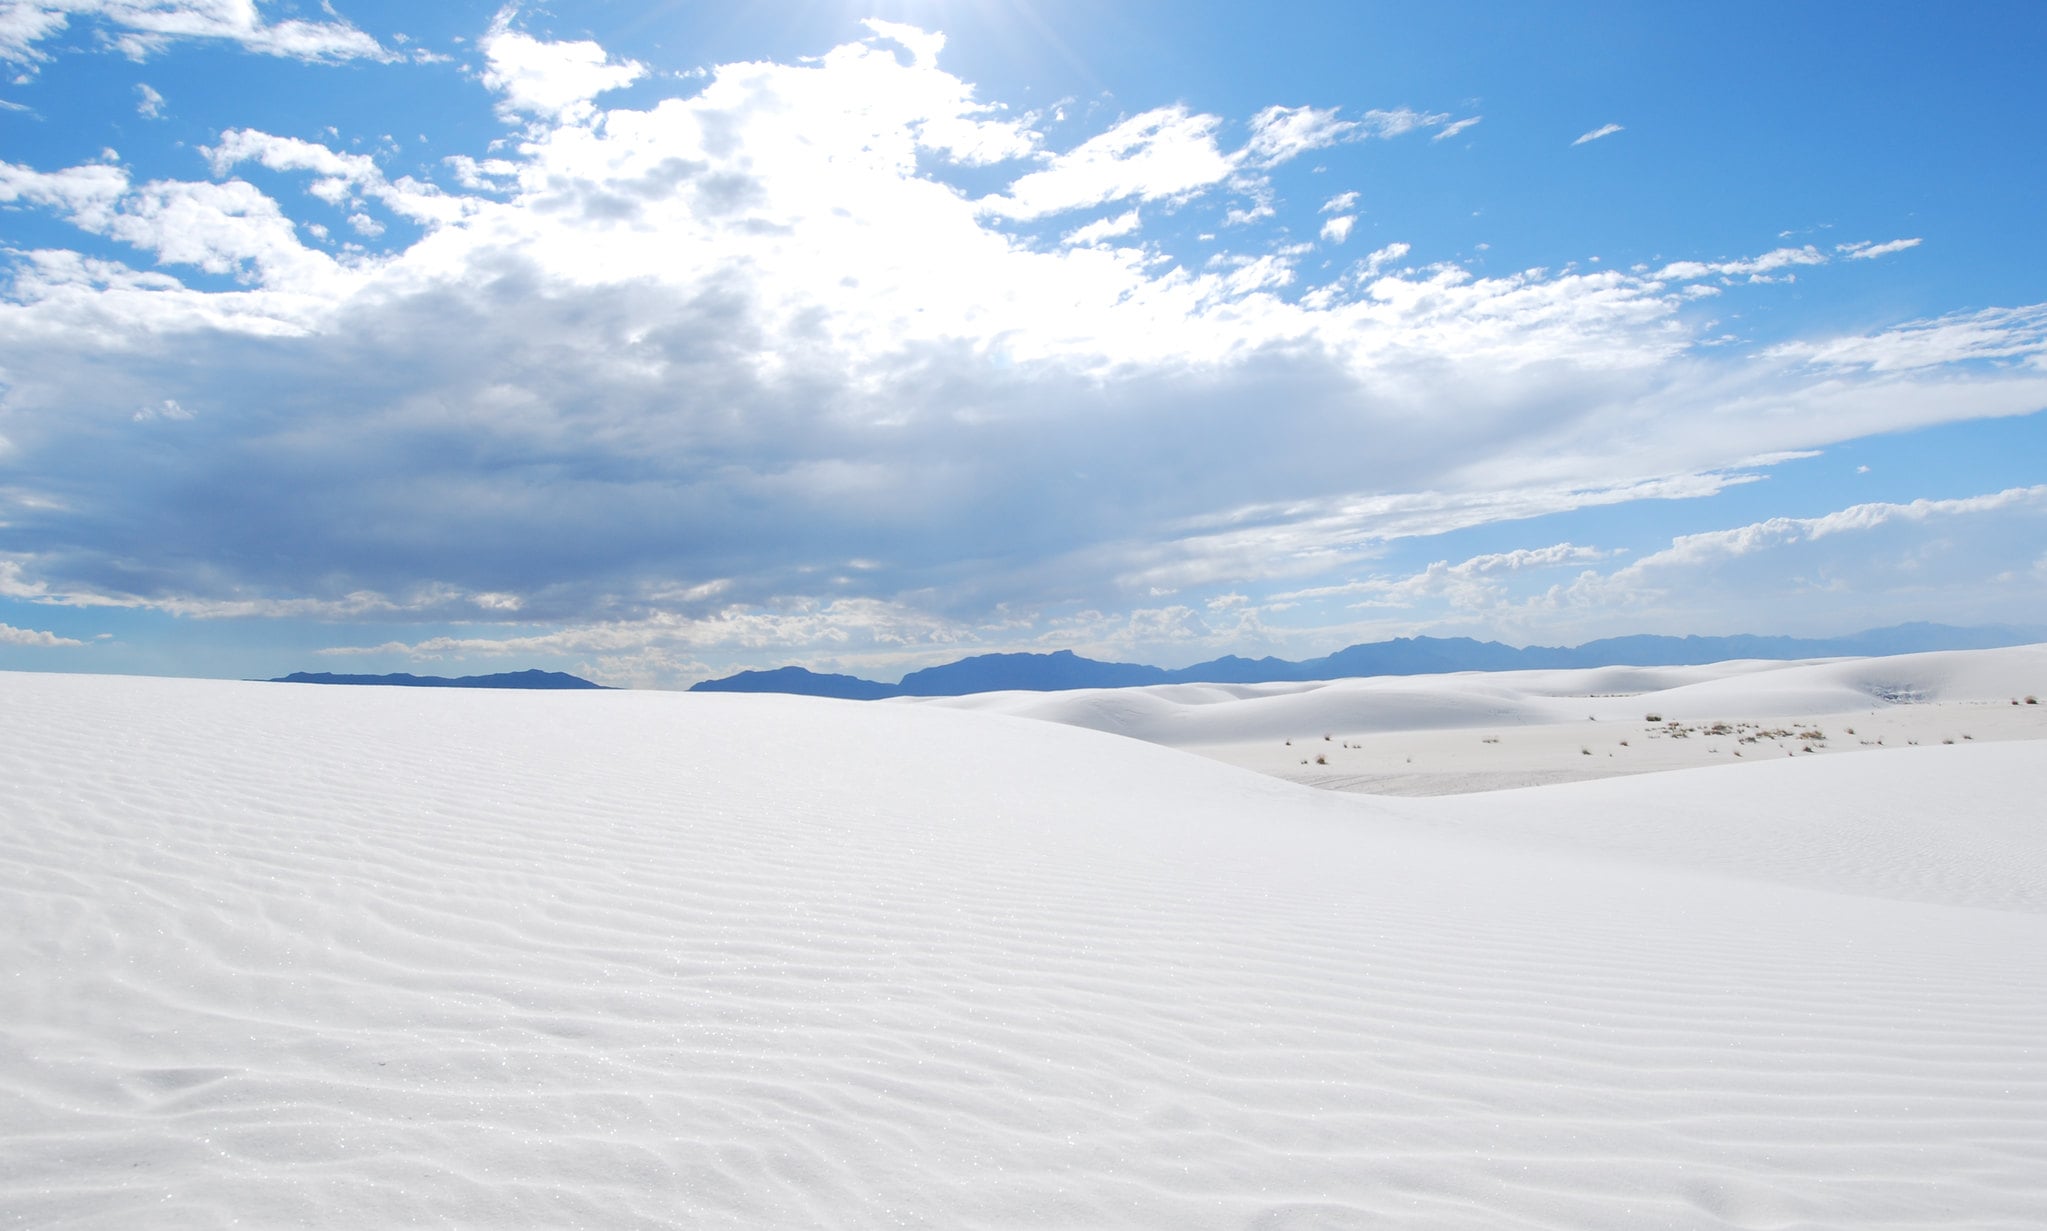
(815, 354)
(1337, 229)
(550, 80)
(1604, 130)
(10, 635)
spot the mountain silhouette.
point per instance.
(1064, 670)
(504, 679)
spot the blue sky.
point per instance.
(654, 341)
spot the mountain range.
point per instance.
(503, 679)
(1063, 669)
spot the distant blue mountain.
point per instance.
(504, 679)
(803, 683)
(1055, 672)
(1064, 670)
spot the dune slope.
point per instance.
(1484, 731)
(375, 957)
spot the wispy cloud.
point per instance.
(1744, 267)
(1865, 250)
(1917, 560)
(148, 103)
(1451, 130)
(1992, 335)
(141, 28)
(1162, 154)
(1125, 223)
(1604, 130)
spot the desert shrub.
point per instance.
(1321, 760)
(1652, 718)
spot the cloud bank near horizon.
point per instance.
(839, 357)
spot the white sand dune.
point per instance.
(1478, 731)
(293, 956)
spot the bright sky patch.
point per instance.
(606, 341)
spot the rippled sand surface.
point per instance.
(276, 955)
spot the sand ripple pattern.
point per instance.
(289, 956)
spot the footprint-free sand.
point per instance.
(277, 955)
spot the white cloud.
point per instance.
(483, 175)
(1125, 223)
(1337, 229)
(1751, 267)
(1451, 130)
(1864, 250)
(553, 81)
(923, 45)
(745, 335)
(1341, 203)
(167, 409)
(1380, 258)
(1604, 130)
(1921, 560)
(1991, 335)
(1161, 154)
(10, 635)
(1281, 133)
(22, 26)
(140, 28)
(1399, 121)
(149, 103)
(343, 179)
